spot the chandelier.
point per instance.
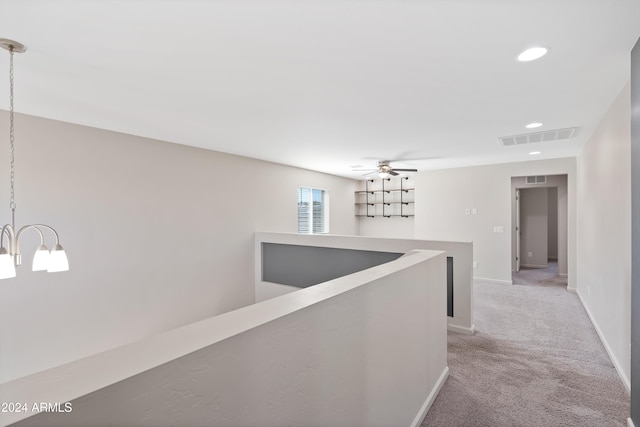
(10, 256)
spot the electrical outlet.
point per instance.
(530, 254)
(467, 211)
(475, 264)
(474, 211)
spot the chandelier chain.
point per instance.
(12, 202)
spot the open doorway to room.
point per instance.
(539, 230)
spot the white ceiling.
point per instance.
(325, 84)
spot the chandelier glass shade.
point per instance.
(10, 257)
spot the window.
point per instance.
(313, 210)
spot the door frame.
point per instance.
(517, 183)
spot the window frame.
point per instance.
(325, 209)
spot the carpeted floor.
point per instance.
(540, 276)
(535, 360)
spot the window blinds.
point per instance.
(311, 211)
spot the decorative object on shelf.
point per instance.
(10, 257)
(385, 197)
(384, 170)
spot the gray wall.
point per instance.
(303, 266)
(635, 200)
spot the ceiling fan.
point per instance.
(384, 169)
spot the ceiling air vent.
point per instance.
(544, 136)
(536, 179)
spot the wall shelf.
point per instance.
(385, 216)
(385, 203)
(406, 190)
(385, 198)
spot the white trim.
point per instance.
(325, 210)
(461, 329)
(432, 396)
(573, 290)
(613, 358)
(630, 422)
(501, 282)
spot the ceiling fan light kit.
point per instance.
(10, 256)
(385, 170)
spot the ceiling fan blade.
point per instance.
(393, 172)
(405, 170)
(370, 173)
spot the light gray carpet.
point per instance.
(540, 276)
(535, 360)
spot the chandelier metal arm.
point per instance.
(8, 230)
(10, 257)
(18, 256)
(37, 227)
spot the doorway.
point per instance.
(539, 229)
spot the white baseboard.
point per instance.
(630, 422)
(574, 290)
(501, 282)
(461, 329)
(432, 396)
(613, 358)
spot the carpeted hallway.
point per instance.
(535, 360)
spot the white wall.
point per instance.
(442, 197)
(534, 222)
(368, 349)
(394, 227)
(158, 235)
(604, 230)
(462, 320)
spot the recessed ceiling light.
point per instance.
(533, 125)
(532, 54)
(535, 153)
